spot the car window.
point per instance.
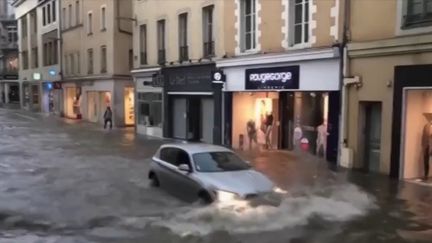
(218, 162)
(174, 156)
(168, 155)
(182, 157)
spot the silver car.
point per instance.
(209, 172)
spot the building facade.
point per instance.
(97, 59)
(282, 68)
(389, 100)
(9, 83)
(39, 47)
(176, 44)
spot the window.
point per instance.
(183, 47)
(103, 59)
(418, 13)
(208, 31)
(90, 61)
(72, 64)
(70, 15)
(44, 16)
(150, 109)
(55, 52)
(25, 59)
(48, 10)
(161, 41)
(35, 61)
(50, 54)
(64, 24)
(78, 65)
(143, 44)
(248, 25)
(300, 22)
(12, 33)
(77, 12)
(24, 29)
(90, 23)
(103, 19)
(66, 62)
(54, 10)
(33, 21)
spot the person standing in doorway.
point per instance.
(269, 129)
(427, 147)
(108, 117)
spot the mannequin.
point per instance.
(321, 142)
(427, 146)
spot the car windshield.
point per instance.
(218, 162)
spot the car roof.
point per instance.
(193, 148)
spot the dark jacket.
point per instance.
(108, 114)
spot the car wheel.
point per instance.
(204, 198)
(154, 181)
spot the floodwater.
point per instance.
(67, 181)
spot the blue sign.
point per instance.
(49, 86)
(52, 72)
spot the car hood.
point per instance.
(241, 182)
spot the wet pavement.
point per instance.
(64, 181)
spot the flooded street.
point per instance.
(64, 181)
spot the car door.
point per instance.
(166, 164)
(182, 180)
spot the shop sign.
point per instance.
(37, 76)
(157, 80)
(195, 79)
(218, 77)
(273, 78)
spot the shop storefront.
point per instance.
(31, 95)
(277, 104)
(148, 101)
(72, 101)
(192, 103)
(412, 122)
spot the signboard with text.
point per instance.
(287, 77)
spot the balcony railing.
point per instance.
(209, 49)
(161, 57)
(143, 58)
(183, 53)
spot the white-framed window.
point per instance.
(143, 44)
(78, 64)
(208, 40)
(248, 26)
(72, 63)
(103, 59)
(90, 61)
(44, 16)
(299, 22)
(89, 23)
(103, 18)
(54, 11)
(65, 26)
(183, 37)
(48, 10)
(418, 13)
(77, 12)
(70, 15)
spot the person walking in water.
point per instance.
(108, 117)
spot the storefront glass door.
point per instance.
(372, 136)
(179, 118)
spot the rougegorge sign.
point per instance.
(273, 78)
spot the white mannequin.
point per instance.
(322, 138)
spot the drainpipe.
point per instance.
(343, 134)
(60, 40)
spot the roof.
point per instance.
(193, 148)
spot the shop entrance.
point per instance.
(129, 106)
(417, 134)
(370, 140)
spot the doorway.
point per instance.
(371, 135)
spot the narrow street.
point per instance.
(64, 181)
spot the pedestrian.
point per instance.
(108, 117)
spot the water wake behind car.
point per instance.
(331, 204)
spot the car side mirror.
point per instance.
(184, 167)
